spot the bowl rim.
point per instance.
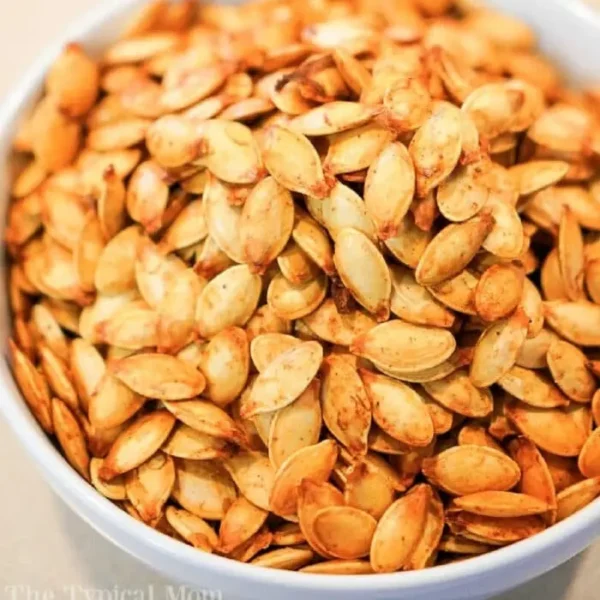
(53, 466)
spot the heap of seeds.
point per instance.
(315, 284)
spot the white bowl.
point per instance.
(569, 32)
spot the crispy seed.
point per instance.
(333, 117)
(264, 320)
(356, 148)
(571, 255)
(311, 462)
(457, 393)
(186, 442)
(578, 322)
(149, 486)
(476, 434)
(115, 269)
(331, 526)
(58, 377)
(113, 403)
(295, 426)
(254, 476)
(291, 159)
(458, 292)
(137, 443)
(458, 545)
(436, 147)
(289, 301)
(534, 350)
(589, 457)
(536, 480)
(532, 388)
(499, 291)
(576, 497)
(56, 138)
(368, 489)
(414, 303)
(63, 216)
(204, 488)
(48, 331)
(410, 243)
(356, 256)
(284, 558)
(403, 347)
(241, 521)
(468, 469)
(248, 550)
(172, 142)
(398, 409)
(465, 192)
(296, 266)
(177, 310)
(266, 223)
(532, 306)
(231, 153)
(534, 176)
(265, 348)
(497, 349)
(399, 530)
(388, 204)
(70, 437)
(228, 300)
(191, 528)
(225, 365)
(329, 324)
(313, 240)
(208, 419)
(132, 327)
(147, 195)
(284, 379)
(501, 504)
(33, 386)
(159, 376)
(341, 208)
(494, 530)
(452, 249)
(346, 406)
(505, 239)
(562, 431)
(568, 368)
(113, 490)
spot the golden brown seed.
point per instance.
(363, 271)
(568, 366)
(227, 300)
(204, 488)
(469, 469)
(576, 496)
(436, 147)
(346, 405)
(452, 249)
(312, 462)
(402, 347)
(499, 291)
(398, 409)
(265, 223)
(295, 426)
(399, 530)
(70, 437)
(387, 202)
(457, 393)
(137, 443)
(242, 520)
(571, 255)
(159, 376)
(578, 322)
(291, 159)
(284, 379)
(561, 431)
(206, 418)
(290, 302)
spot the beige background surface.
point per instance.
(46, 552)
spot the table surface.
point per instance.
(46, 551)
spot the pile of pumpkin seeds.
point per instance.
(315, 284)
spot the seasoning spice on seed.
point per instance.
(315, 285)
